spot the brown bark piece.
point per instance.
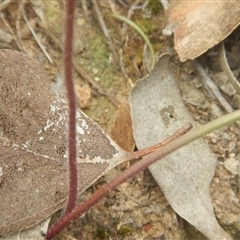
(200, 25)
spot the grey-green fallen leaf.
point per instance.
(157, 110)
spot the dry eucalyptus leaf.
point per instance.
(157, 111)
(33, 139)
(121, 131)
(200, 25)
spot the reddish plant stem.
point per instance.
(130, 172)
(72, 149)
(68, 76)
(68, 66)
(145, 151)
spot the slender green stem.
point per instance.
(210, 127)
(140, 31)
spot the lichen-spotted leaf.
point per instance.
(33, 138)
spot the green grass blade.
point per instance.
(140, 31)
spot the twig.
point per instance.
(129, 15)
(4, 4)
(140, 31)
(36, 38)
(84, 4)
(136, 68)
(130, 12)
(105, 30)
(225, 67)
(133, 7)
(165, 4)
(142, 7)
(112, 6)
(123, 3)
(122, 65)
(212, 87)
(17, 24)
(2, 16)
(143, 152)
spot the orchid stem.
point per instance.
(72, 149)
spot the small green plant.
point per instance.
(101, 233)
(125, 230)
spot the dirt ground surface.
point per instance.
(137, 209)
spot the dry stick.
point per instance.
(36, 38)
(130, 12)
(122, 65)
(225, 67)
(123, 3)
(84, 4)
(129, 15)
(165, 4)
(4, 4)
(105, 30)
(2, 16)
(130, 172)
(112, 6)
(212, 87)
(143, 152)
(17, 25)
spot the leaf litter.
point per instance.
(33, 145)
(161, 220)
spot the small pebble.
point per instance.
(231, 164)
